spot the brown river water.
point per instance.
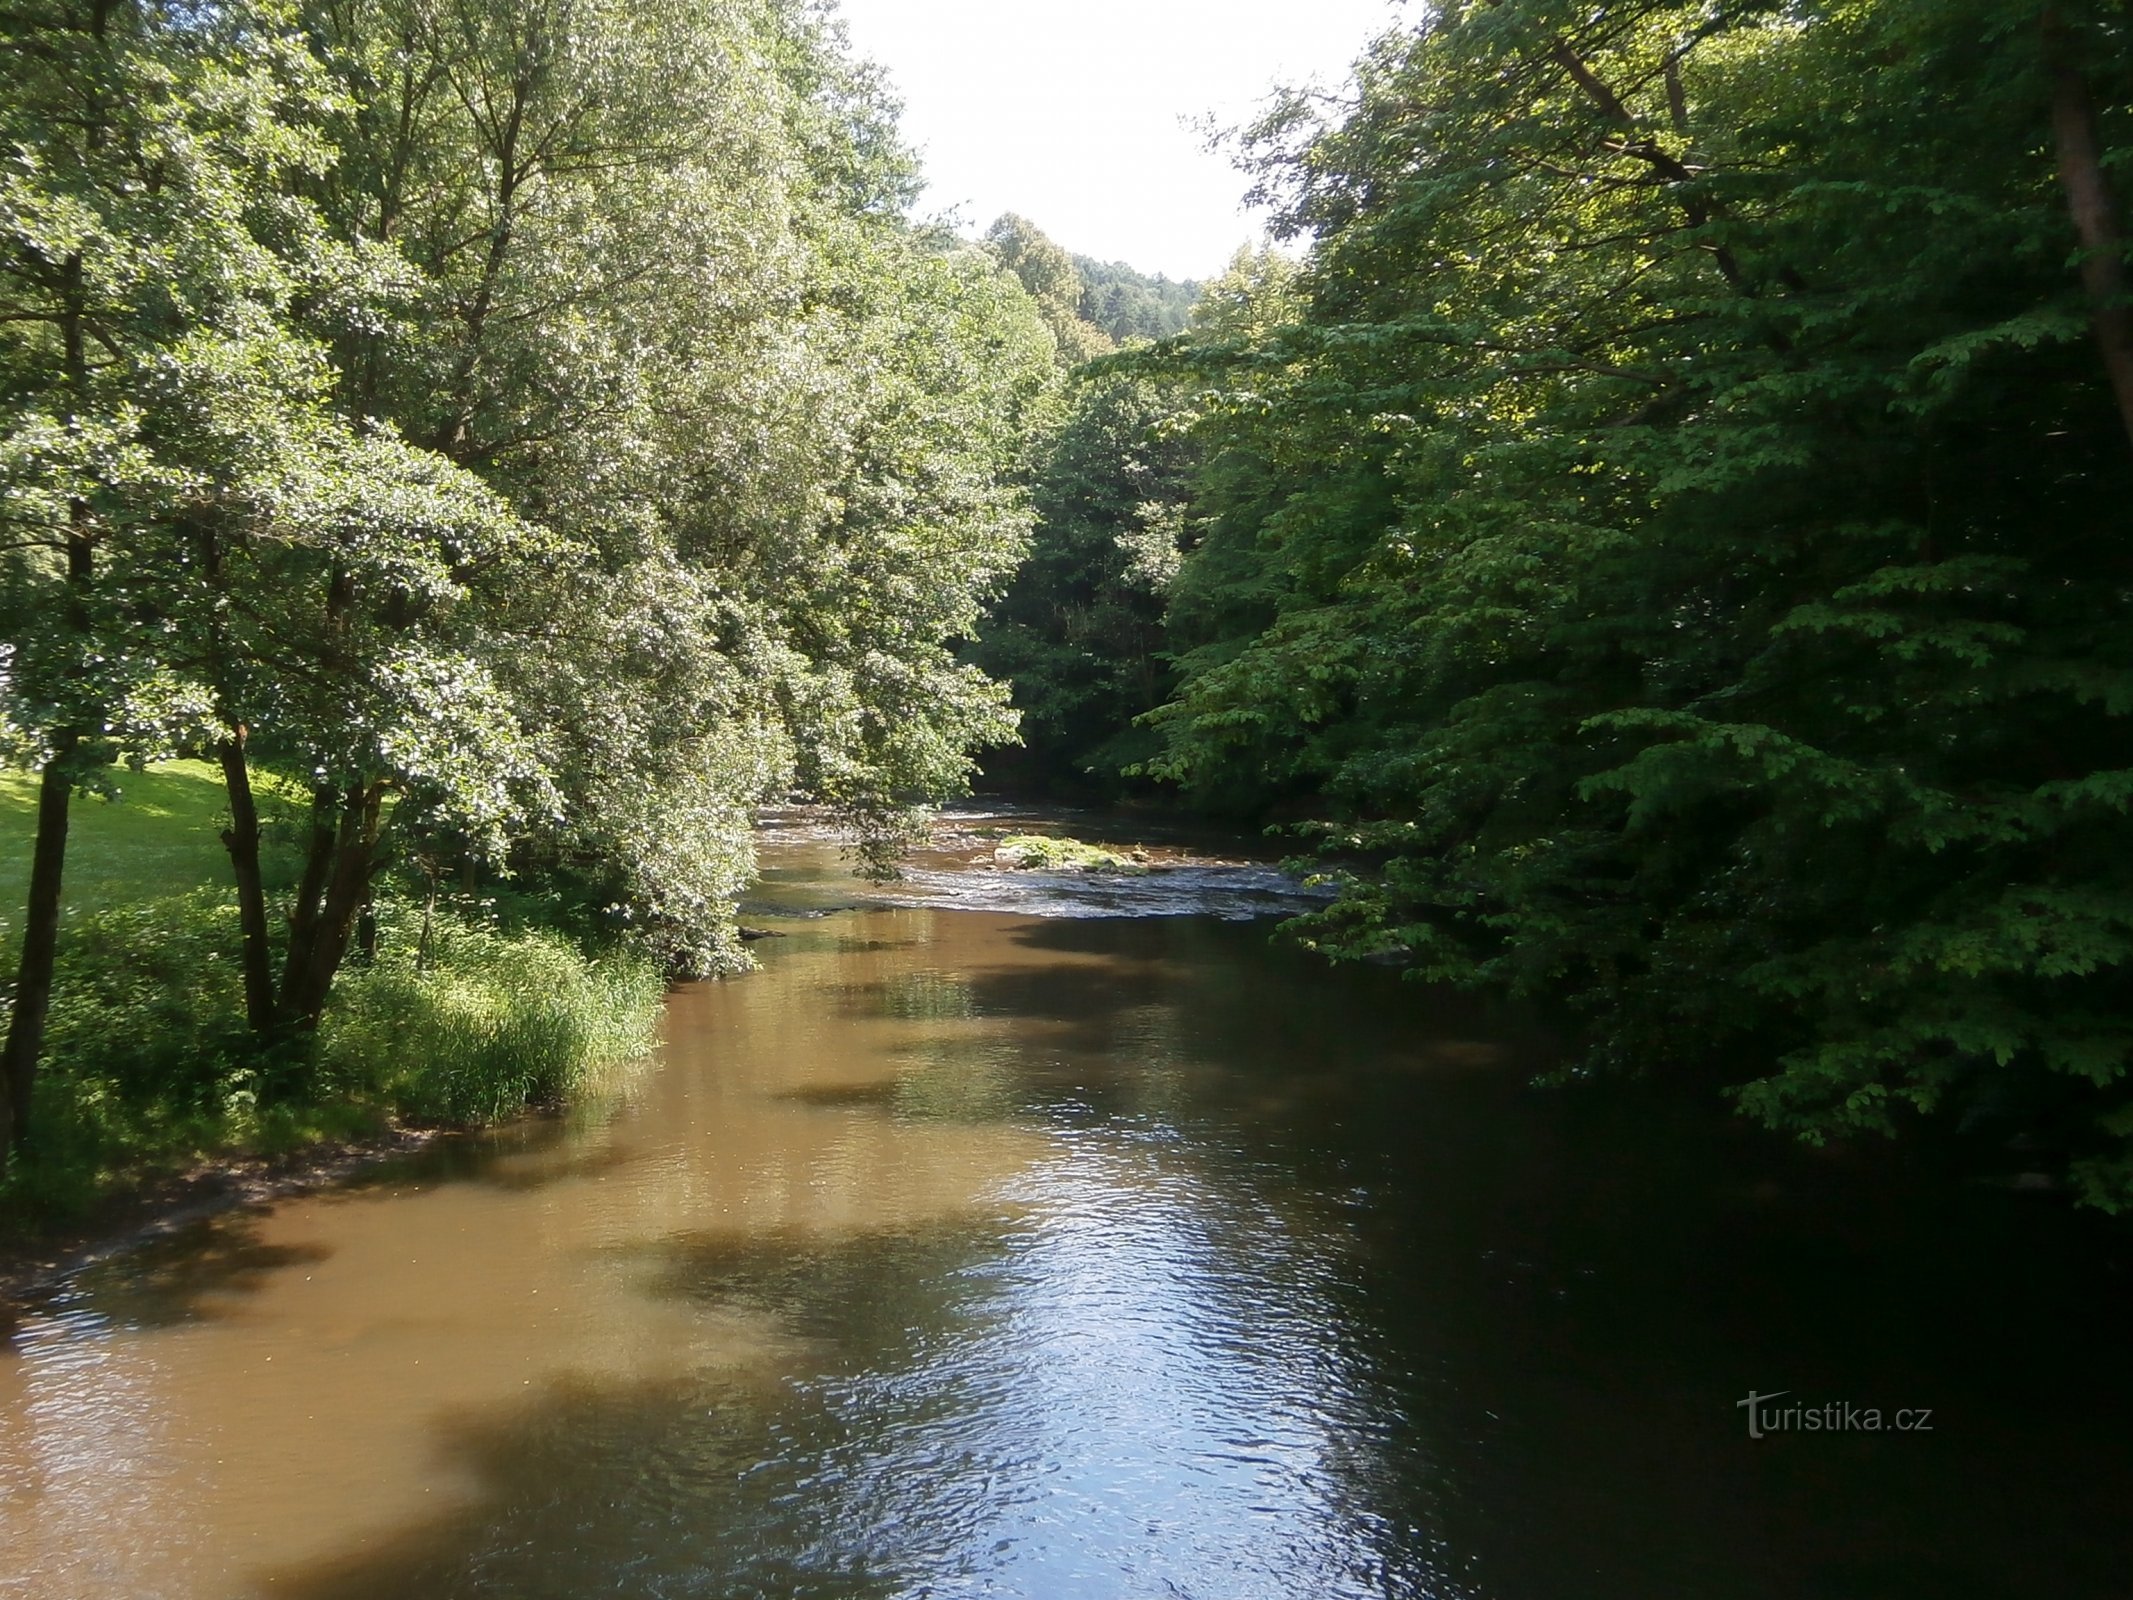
(1017, 1235)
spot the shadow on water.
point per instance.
(871, 947)
(605, 1489)
(1067, 1001)
(846, 1096)
(1609, 1275)
(533, 1152)
(201, 1270)
(867, 1292)
(197, 1273)
(830, 1475)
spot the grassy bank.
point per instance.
(150, 1068)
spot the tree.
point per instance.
(1079, 631)
(146, 152)
(1130, 305)
(1046, 272)
(664, 303)
(1677, 547)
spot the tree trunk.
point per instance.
(55, 792)
(241, 839)
(2095, 213)
(40, 948)
(429, 920)
(304, 915)
(354, 853)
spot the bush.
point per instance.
(1026, 851)
(148, 1061)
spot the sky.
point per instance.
(1079, 115)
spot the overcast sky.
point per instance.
(1075, 114)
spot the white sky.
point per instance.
(1075, 112)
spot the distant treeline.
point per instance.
(1131, 305)
(1092, 305)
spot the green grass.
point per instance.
(506, 1020)
(162, 835)
(149, 1065)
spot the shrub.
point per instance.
(500, 1021)
(1025, 851)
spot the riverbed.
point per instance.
(1018, 1234)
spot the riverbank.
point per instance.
(154, 1092)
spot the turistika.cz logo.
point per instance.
(1766, 1416)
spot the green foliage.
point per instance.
(1130, 305)
(1669, 535)
(152, 1064)
(150, 161)
(1047, 274)
(152, 1068)
(1079, 631)
(500, 1021)
(1037, 851)
(533, 431)
(772, 428)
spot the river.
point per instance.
(1008, 1234)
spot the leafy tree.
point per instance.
(1046, 272)
(663, 302)
(1672, 529)
(146, 154)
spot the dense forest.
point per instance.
(1130, 305)
(1663, 538)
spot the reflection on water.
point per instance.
(958, 1253)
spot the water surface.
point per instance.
(976, 1252)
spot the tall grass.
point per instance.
(501, 1021)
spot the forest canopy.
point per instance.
(1666, 540)
(1131, 305)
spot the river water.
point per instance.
(1017, 1235)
